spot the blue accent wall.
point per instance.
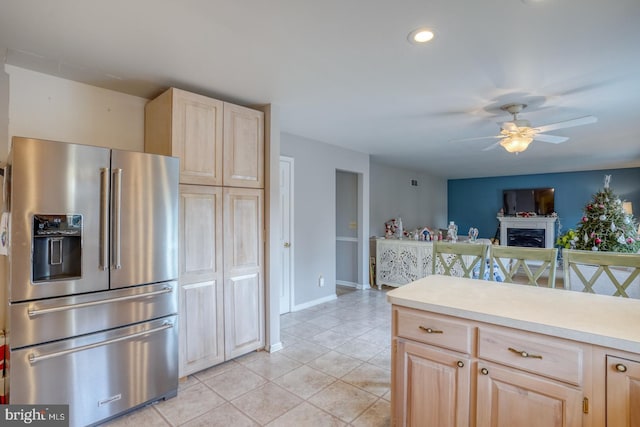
(476, 202)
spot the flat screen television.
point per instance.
(538, 200)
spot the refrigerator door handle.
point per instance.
(38, 312)
(104, 218)
(34, 358)
(116, 217)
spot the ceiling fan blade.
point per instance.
(567, 124)
(550, 138)
(477, 138)
(491, 147)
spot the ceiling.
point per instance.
(343, 72)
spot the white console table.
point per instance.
(399, 262)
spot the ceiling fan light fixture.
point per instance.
(516, 143)
(420, 36)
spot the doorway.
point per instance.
(286, 237)
(347, 238)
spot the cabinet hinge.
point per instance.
(585, 405)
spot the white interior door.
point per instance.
(286, 239)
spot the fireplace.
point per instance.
(533, 232)
(526, 237)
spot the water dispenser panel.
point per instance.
(57, 247)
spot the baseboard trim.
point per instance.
(353, 285)
(308, 304)
(348, 284)
(275, 347)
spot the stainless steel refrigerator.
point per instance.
(92, 287)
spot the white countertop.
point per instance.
(595, 319)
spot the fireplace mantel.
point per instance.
(546, 223)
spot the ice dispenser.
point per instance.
(57, 247)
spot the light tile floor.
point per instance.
(334, 370)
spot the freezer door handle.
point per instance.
(104, 218)
(116, 217)
(35, 358)
(36, 312)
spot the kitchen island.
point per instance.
(473, 352)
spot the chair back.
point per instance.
(620, 272)
(514, 260)
(458, 259)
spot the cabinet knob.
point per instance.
(484, 371)
(287, 244)
(621, 368)
(460, 364)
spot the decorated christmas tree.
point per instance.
(605, 226)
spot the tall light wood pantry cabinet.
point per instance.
(221, 151)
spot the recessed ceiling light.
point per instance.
(421, 35)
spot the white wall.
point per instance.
(48, 107)
(392, 196)
(315, 219)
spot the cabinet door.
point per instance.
(432, 387)
(197, 137)
(243, 271)
(623, 392)
(243, 147)
(201, 299)
(201, 327)
(200, 233)
(507, 397)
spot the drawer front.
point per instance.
(433, 329)
(111, 371)
(546, 356)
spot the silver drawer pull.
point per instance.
(430, 331)
(525, 354)
(33, 313)
(34, 358)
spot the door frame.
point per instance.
(363, 260)
(291, 162)
(354, 241)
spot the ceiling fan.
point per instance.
(516, 135)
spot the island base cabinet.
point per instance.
(623, 392)
(508, 398)
(434, 389)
